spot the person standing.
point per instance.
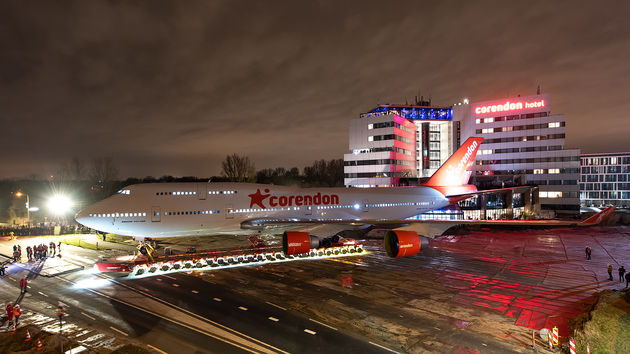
(17, 312)
(23, 284)
(9, 309)
(627, 278)
(2, 269)
(588, 252)
(622, 271)
(610, 269)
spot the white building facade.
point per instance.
(523, 138)
(605, 179)
(394, 142)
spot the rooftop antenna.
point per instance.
(538, 90)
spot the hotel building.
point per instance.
(524, 144)
(394, 142)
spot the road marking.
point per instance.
(119, 331)
(176, 285)
(216, 299)
(28, 286)
(309, 331)
(88, 316)
(273, 319)
(323, 324)
(382, 347)
(170, 277)
(195, 292)
(158, 279)
(242, 308)
(12, 279)
(437, 328)
(278, 306)
(41, 293)
(156, 349)
(484, 344)
(244, 346)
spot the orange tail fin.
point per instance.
(457, 169)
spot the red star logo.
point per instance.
(258, 198)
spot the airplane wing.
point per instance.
(424, 227)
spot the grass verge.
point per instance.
(77, 241)
(608, 330)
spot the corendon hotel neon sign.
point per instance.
(509, 106)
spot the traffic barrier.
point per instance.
(555, 335)
(550, 340)
(533, 338)
(28, 336)
(39, 345)
(588, 349)
(571, 346)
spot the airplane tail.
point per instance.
(598, 218)
(456, 171)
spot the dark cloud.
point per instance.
(171, 87)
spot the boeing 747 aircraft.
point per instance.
(197, 209)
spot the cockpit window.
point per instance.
(124, 191)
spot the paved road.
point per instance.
(212, 318)
(268, 321)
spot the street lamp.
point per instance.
(28, 206)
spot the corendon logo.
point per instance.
(291, 200)
(509, 106)
(465, 161)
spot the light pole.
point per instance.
(28, 206)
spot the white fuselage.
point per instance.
(197, 208)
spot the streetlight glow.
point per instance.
(59, 204)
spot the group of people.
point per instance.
(13, 314)
(37, 252)
(39, 230)
(621, 270)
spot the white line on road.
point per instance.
(278, 306)
(156, 349)
(41, 293)
(195, 292)
(88, 316)
(216, 299)
(158, 279)
(119, 331)
(12, 279)
(484, 344)
(28, 286)
(309, 331)
(323, 324)
(176, 285)
(170, 277)
(273, 319)
(382, 347)
(242, 308)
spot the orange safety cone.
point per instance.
(28, 336)
(39, 345)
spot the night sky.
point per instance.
(171, 88)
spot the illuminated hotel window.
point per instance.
(477, 121)
(551, 194)
(554, 125)
(554, 170)
(539, 171)
(370, 138)
(370, 126)
(488, 120)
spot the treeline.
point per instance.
(236, 168)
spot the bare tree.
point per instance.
(238, 168)
(103, 170)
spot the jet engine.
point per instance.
(404, 243)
